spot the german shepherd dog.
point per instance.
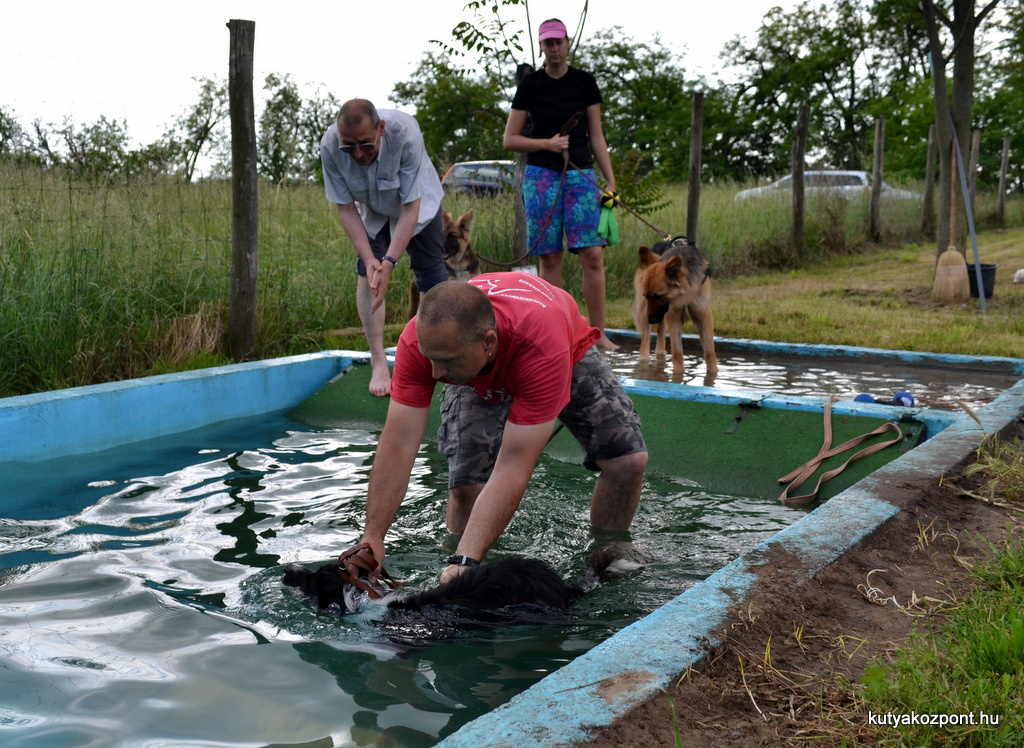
(459, 258)
(513, 590)
(673, 282)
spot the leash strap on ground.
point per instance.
(361, 558)
(805, 471)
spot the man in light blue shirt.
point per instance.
(388, 195)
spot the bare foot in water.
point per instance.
(380, 380)
(605, 345)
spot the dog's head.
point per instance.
(457, 233)
(325, 586)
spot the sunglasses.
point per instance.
(363, 147)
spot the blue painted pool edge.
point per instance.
(1015, 365)
(103, 416)
(605, 683)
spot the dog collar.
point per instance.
(462, 561)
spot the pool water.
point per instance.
(141, 600)
(933, 386)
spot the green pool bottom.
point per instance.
(736, 447)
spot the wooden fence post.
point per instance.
(799, 150)
(241, 332)
(1004, 169)
(693, 189)
(972, 167)
(875, 209)
(928, 204)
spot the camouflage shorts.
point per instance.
(599, 414)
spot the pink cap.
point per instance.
(552, 30)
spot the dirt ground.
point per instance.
(778, 677)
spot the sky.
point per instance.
(136, 61)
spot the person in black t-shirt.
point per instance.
(550, 98)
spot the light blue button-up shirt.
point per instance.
(401, 173)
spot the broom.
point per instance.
(951, 283)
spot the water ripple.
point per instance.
(151, 589)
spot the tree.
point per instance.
(196, 131)
(290, 129)
(1001, 100)
(815, 56)
(641, 77)
(461, 116)
(15, 142)
(903, 95)
(495, 41)
(96, 152)
(13, 139)
(953, 105)
(278, 142)
(152, 160)
(317, 115)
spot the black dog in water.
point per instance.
(513, 590)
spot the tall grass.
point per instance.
(102, 281)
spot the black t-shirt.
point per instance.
(550, 103)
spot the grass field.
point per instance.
(100, 282)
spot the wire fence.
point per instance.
(102, 280)
(93, 274)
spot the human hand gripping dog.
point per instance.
(389, 478)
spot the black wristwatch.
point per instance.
(392, 260)
(462, 561)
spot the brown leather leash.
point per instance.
(356, 557)
(568, 127)
(806, 470)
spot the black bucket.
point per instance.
(988, 279)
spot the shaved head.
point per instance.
(459, 302)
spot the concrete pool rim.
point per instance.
(603, 684)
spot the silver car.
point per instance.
(480, 177)
(846, 183)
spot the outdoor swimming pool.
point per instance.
(141, 600)
(140, 593)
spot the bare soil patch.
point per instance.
(791, 650)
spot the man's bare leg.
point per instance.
(373, 328)
(617, 493)
(460, 506)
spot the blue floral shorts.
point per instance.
(575, 215)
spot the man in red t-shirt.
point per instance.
(515, 354)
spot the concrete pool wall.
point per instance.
(602, 684)
(103, 416)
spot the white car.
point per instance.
(846, 183)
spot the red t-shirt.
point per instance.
(541, 335)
